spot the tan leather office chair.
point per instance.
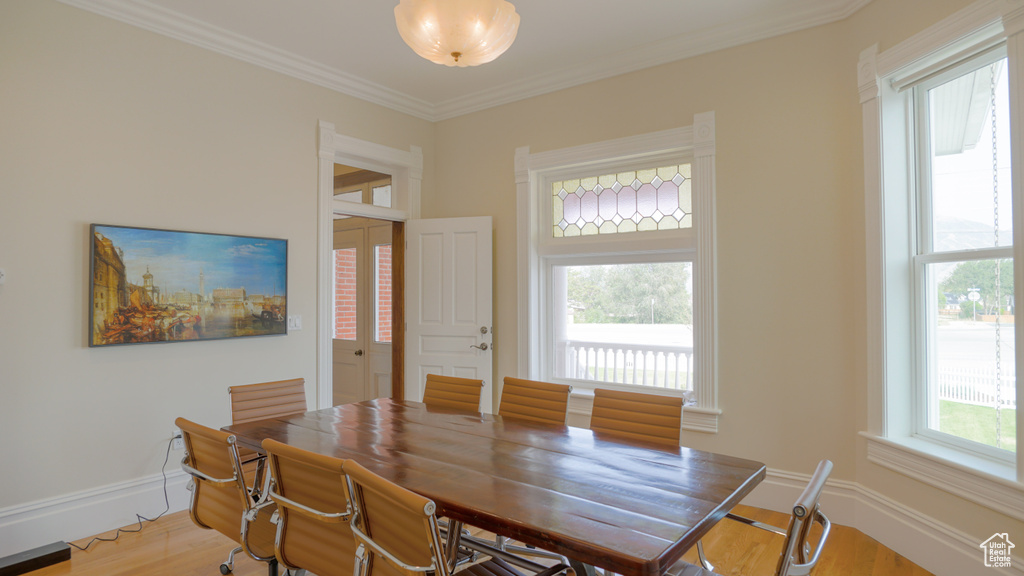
(259, 401)
(536, 401)
(313, 512)
(267, 399)
(251, 402)
(220, 498)
(796, 558)
(452, 393)
(638, 416)
(397, 533)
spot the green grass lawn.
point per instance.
(978, 423)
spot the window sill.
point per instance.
(980, 480)
(695, 418)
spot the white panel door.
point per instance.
(448, 302)
(378, 361)
(363, 310)
(348, 346)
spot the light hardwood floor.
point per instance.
(173, 545)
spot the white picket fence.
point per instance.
(975, 386)
(649, 365)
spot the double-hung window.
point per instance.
(963, 264)
(941, 201)
(616, 253)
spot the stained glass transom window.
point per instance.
(634, 201)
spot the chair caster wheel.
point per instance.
(225, 568)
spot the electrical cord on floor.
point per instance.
(140, 517)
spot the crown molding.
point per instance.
(650, 55)
(156, 19)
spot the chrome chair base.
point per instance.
(229, 564)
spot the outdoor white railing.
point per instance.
(648, 365)
(975, 386)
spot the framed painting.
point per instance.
(150, 285)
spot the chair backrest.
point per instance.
(266, 400)
(536, 401)
(796, 558)
(452, 393)
(637, 415)
(219, 495)
(313, 507)
(396, 529)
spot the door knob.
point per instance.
(480, 346)
(359, 352)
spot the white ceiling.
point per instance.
(352, 46)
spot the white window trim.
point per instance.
(891, 441)
(696, 141)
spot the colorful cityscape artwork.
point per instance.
(149, 285)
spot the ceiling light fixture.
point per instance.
(457, 32)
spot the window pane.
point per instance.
(972, 381)
(970, 161)
(653, 199)
(356, 196)
(382, 293)
(381, 195)
(625, 323)
(345, 294)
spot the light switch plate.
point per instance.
(294, 322)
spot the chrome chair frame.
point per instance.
(444, 552)
(285, 503)
(254, 501)
(796, 558)
(265, 391)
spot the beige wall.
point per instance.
(788, 222)
(104, 122)
(790, 227)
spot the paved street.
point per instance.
(964, 344)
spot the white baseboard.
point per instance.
(936, 547)
(932, 545)
(89, 512)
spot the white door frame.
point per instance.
(406, 170)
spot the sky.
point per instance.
(963, 183)
(175, 259)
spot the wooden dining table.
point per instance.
(627, 506)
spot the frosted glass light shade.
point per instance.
(457, 32)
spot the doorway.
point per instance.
(366, 303)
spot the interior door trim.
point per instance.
(406, 170)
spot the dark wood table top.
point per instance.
(630, 507)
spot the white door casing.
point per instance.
(406, 170)
(448, 302)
